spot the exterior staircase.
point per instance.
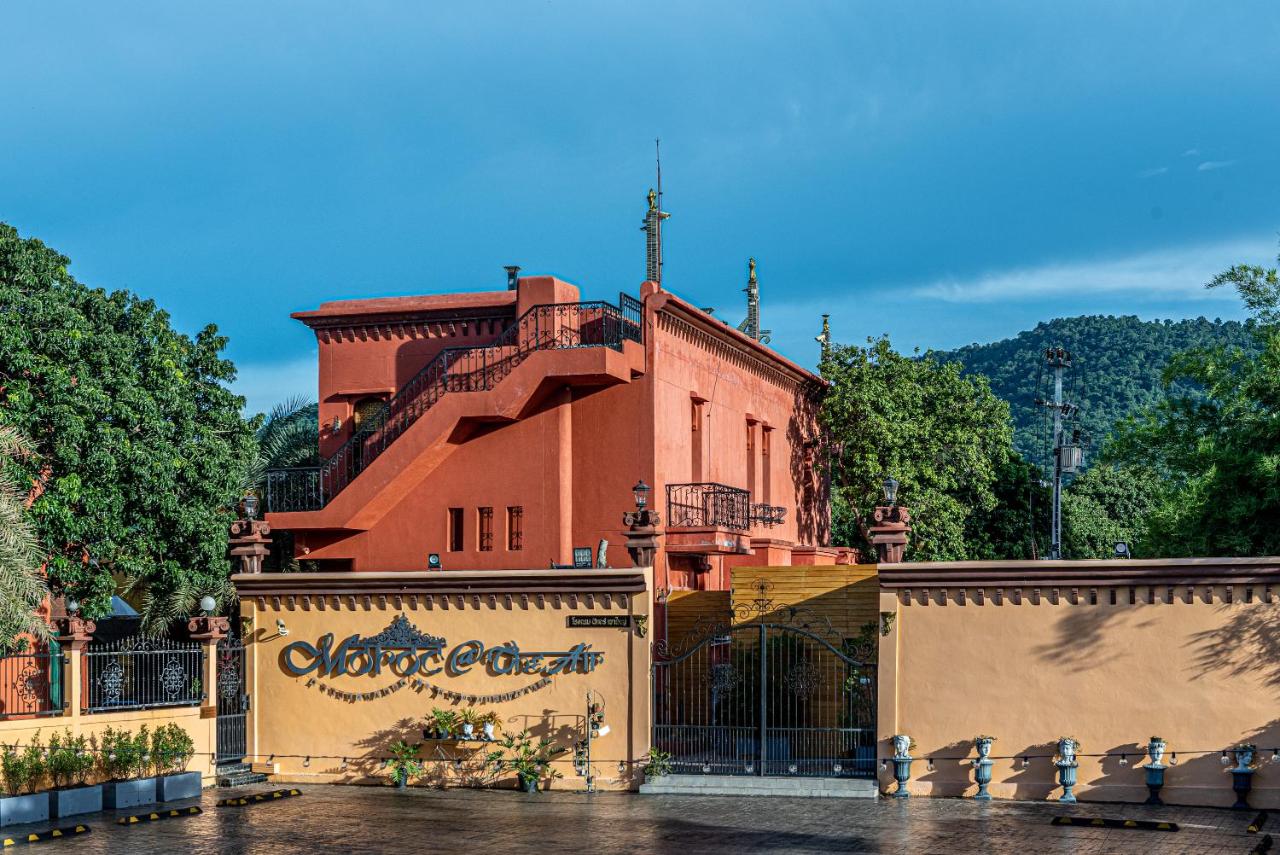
(555, 326)
(238, 775)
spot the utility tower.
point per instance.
(1068, 456)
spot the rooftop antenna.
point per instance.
(751, 326)
(1068, 456)
(824, 338)
(653, 225)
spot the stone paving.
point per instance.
(368, 819)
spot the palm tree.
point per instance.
(22, 585)
(289, 436)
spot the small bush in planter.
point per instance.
(403, 763)
(13, 768)
(657, 765)
(70, 763)
(33, 761)
(531, 761)
(117, 755)
(171, 750)
(442, 723)
(23, 771)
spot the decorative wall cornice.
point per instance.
(1067, 574)
(444, 589)
(408, 328)
(669, 320)
(439, 602)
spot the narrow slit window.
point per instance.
(455, 529)
(515, 528)
(485, 520)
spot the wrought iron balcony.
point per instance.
(768, 515)
(708, 505)
(556, 326)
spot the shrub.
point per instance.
(171, 749)
(33, 760)
(142, 761)
(13, 769)
(117, 755)
(63, 762)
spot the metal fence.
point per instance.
(705, 505)
(31, 683)
(557, 326)
(141, 673)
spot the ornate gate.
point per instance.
(781, 694)
(233, 700)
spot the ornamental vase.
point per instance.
(902, 745)
(468, 730)
(1067, 772)
(982, 777)
(1067, 750)
(1241, 782)
(1155, 750)
(1155, 780)
(488, 731)
(902, 774)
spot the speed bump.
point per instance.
(41, 836)
(1099, 822)
(259, 798)
(157, 815)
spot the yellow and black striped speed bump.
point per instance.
(259, 798)
(1263, 847)
(41, 836)
(157, 815)
(1258, 821)
(1099, 822)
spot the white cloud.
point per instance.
(1191, 152)
(1152, 173)
(265, 384)
(1210, 165)
(1178, 272)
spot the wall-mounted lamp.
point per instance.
(335, 425)
(281, 628)
(433, 561)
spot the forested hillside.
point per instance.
(1118, 365)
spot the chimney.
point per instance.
(513, 276)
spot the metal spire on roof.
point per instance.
(751, 326)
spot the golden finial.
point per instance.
(751, 269)
(653, 200)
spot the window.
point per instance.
(515, 528)
(455, 529)
(695, 442)
(751, 458)
(365, 411)
(486, 529)
(766, 464)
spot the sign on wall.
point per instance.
(405, 651)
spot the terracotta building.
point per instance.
(506, 429)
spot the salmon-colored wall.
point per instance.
(961, 660)
(295, 717)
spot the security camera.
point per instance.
(281, 628)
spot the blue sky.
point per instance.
(941, 172)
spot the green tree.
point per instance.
(1218, 452)
(288, 436)
(140, 443)
(1107, 504)
(22, 588)
(941, 433)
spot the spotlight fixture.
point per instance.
(433, 561)
(281, 629)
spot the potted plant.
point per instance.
(441, 723)
(489, 723)
(531, 761)
(21, 776)
(171, 750)
(657, 765)
(69, 766)
(121, 765)
(468, 718)
(403, 763)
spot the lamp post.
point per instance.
(891, 525)
(250, 537)
(642, 531)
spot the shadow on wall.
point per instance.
(951, 775)
(813, 526)
(1245, 645)
(1039, 779)
(1083, 627)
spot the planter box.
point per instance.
(15, 810)
(75, 800)
(127, 794)
(184, 785)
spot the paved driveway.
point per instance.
(367, 819)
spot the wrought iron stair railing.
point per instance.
(554, 326)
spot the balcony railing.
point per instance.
(708, 505)
(556, 326)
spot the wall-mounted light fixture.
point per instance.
(281, 628)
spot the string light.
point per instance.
(1226, 761)
(930, 766)
(884, 767)
(1026, 761)
(1124, 761)
(1275, 755)
(307, 762)
(1173, 759)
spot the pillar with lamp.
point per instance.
(891, 524)
(250, 537)
(642, 528)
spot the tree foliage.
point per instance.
(140, 443)
(1108, 504)
(1217, 453)
(1119, 369)
(288, 436)
(941, 433)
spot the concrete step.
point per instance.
(746, 785)
(238, 775)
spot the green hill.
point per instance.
(1118, 363)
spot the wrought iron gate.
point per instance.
(233, 700)
(782, 695)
